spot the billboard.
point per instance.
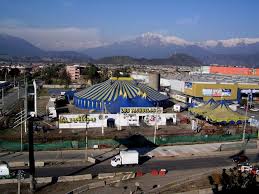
(247, 91)
(141, 110)
(216, 92)
(79, 121)
(207, 92)
(188, 85)
(159, 119)
(226, 92)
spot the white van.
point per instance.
(125, 158)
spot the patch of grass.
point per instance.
(43, 92)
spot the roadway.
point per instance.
(11, 98)
(170, 164)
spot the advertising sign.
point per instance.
(77, 121)
(155, 119)
(247, 91)
(188, 85)
(141, 110)
(159, 119)
(216, 92)
(226, 92)
(207, 92)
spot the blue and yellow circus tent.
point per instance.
(224, 115)
(199, 111)
(118, 92)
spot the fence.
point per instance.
(166, 140)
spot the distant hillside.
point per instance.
(13, 46)
(250, 60)
(147, 49)
(176, 59)
(68, 55)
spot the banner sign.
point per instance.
(207, 92)
(247, 91)
(77, 121)
(216, 92)
(226, 92)
(141, 110)
(188, 85)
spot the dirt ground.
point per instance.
(200, 183)
(57, 188)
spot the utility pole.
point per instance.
(25, 104)
(35, 97)
(31, 155)
(18, 90)
(155, 125)
(19, 182)
(21, 132)
(3, 98)
(247, 104)
(86, 139)
(102, 118)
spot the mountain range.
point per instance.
(235, 51)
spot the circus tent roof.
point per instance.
(223, 114)
(111, 89)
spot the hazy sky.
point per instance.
(58, 24)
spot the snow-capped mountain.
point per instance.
(229, 42)
(150, 38)
(152, 45)
(157, 45)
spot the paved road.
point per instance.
(154, 163)
(11, 98)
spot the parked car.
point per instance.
(240, 159)
(245, 167)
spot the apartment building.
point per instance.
(73, 71)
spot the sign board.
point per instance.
(216, 92)
(159, 119)
(207, 92)
(188, 85)
(78, 121)
(226, 92)
(141, 110)
(247, 91)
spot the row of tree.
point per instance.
(9, 73)
(55, 74)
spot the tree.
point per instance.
(91, 73)
(14, 72)
(64, 77)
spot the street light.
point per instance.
(247, 103)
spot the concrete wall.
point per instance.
(154, 81)
(177, 85)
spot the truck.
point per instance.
(130, 157)
(4, 170)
